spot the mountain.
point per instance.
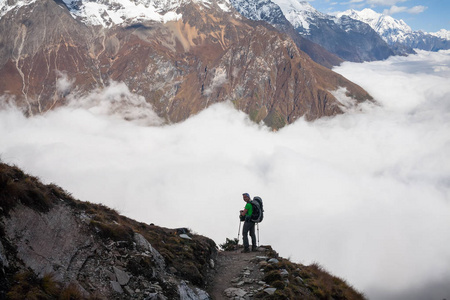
(443, 34)
(178, 57)
(397, 33)
(53, 246)
(347, 38)
(268, 11)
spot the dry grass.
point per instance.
(28, 286)
(18, 187)
(305, 282)
(326, 286)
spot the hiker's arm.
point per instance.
(244, 212)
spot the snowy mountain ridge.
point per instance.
(107, 13)
(344, 37)
(392, 30)
(443, 34)
(300, 14)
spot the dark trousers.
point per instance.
(249, 227)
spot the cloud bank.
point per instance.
(365, 194)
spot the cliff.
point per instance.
(53, 246)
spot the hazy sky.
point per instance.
(365, 194)
(425, 15)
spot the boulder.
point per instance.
(122, 276)
(234, 292)
(270, 291)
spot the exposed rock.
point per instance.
(3, 260)
(270, 291)
(284, 273)
(144, 245)
(185, 236)
(116, 287)
(122, 276)
(141, 243)
(273, 261)
(42, 238)
(234, 292)
(187, 293)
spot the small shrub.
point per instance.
(229, 244)
(272, 276)
(191, 272)
(278, 284)
(28, 286)
(116, 232)
(71, 292)
(49, 285)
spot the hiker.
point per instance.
(249, 225)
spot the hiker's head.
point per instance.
(246, 197)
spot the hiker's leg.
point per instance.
(252, 235)
(245, 230)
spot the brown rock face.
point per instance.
(179, 67)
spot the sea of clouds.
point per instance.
(365, 194)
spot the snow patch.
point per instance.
(6, 6)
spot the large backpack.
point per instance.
(258, 210)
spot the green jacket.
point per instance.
(249, 209)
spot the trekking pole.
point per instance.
(239, 231)
(257, 227)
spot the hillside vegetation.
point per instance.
(53, 246)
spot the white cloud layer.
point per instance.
(365, 194)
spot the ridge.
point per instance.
(52, 245)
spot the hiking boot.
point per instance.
(254, 249)
(246, 250)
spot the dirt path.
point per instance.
(237, 273)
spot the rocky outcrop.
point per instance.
(265, 275)
(49, 58)
(91, 249)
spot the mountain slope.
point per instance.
(268, 11)
(349, 39)
(52, 55)
(55, 247)
(397, 33)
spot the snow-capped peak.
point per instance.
(443, 34)
(390, 29)
(116, 12)
(299, 13)
(6, 6)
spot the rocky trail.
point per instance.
(238, 275)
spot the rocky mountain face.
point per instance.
(268, 11)
(397, 33)
(55, 247)
(349, 39)
(178, 57)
